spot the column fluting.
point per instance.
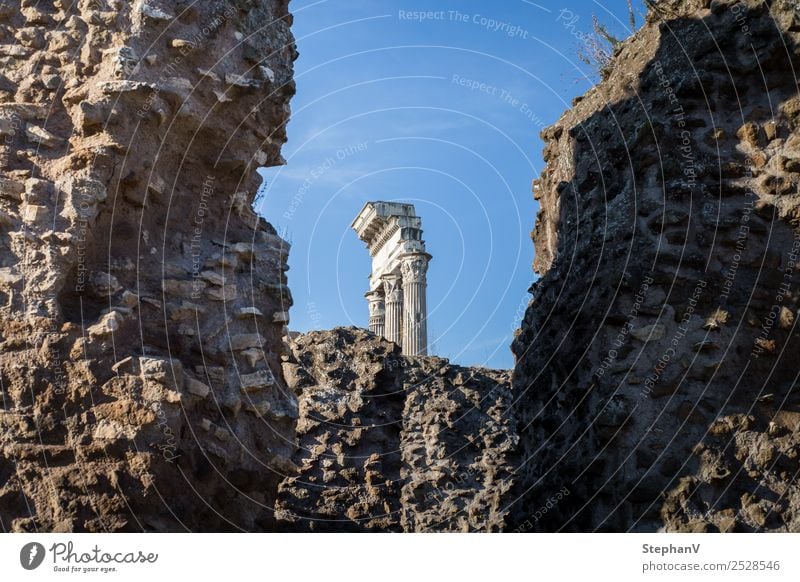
(415, 305)
(394, 309)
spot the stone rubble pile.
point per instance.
(395, 443)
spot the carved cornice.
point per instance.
(382, 237)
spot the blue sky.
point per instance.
(441, 109)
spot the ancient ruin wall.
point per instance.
(657, 372)
(395, 443)
(143, 301)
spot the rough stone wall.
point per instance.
(143, 302)
(392, 443)
(657, 372)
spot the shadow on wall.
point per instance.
(655, 381)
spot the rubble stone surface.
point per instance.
(656, 376)
(395, 443)
(131, 263)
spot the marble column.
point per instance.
(377, 313)
(415, 305)
(394, 309)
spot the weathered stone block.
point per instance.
(248, 340)
(257, 381)
(197, 388)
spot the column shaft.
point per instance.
(377, 325)
(415, 333)
(394, 311)
(415, 330)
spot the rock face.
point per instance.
(142, 299)
(393, 443)
(656, 374)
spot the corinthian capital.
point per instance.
(376, 303)
(414, 268)
(391, 288)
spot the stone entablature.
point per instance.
(398, 283)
